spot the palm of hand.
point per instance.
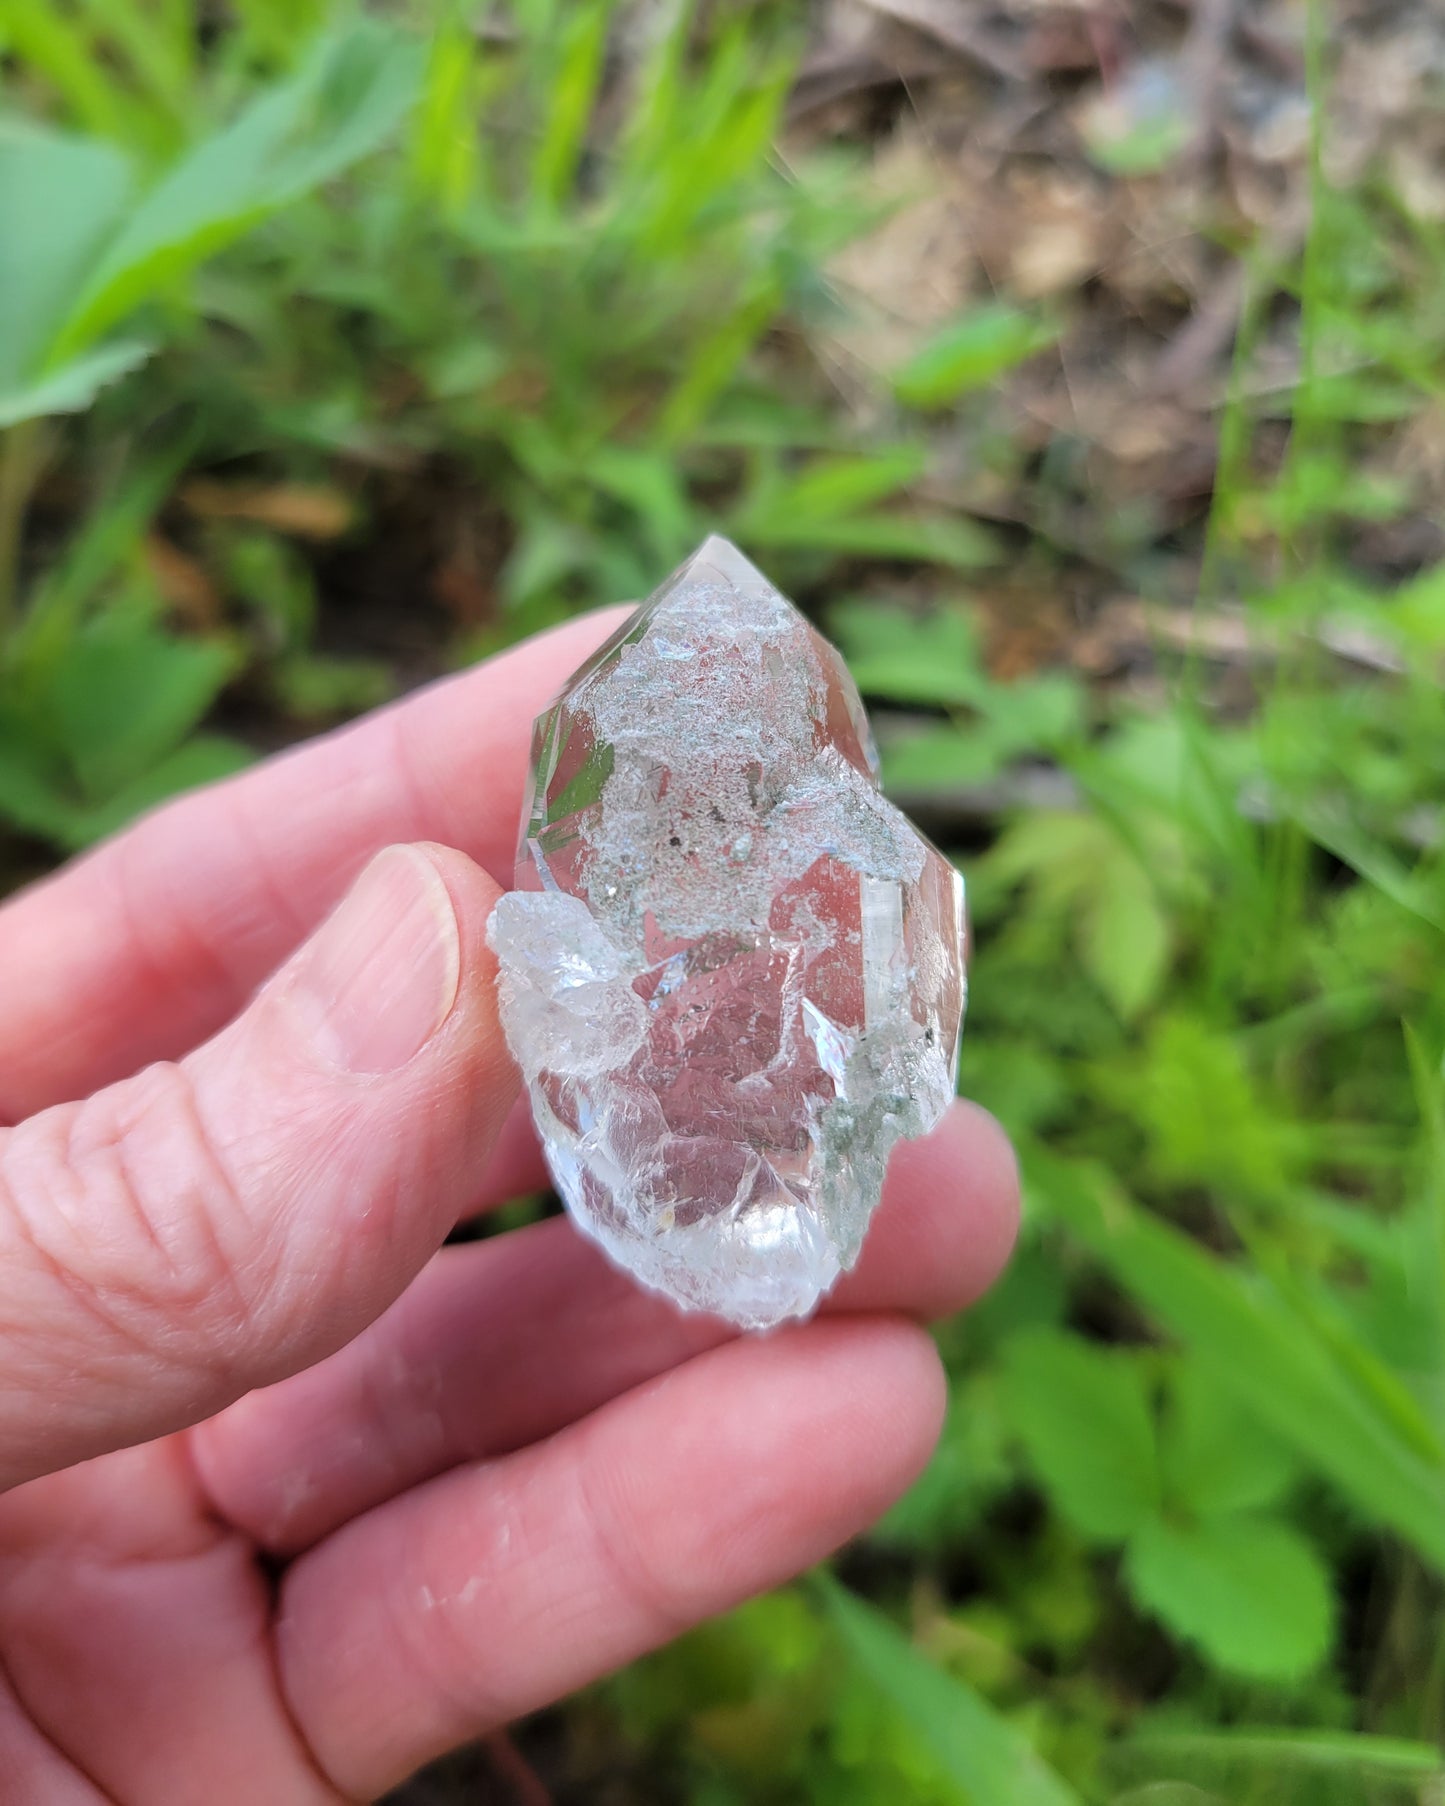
(455, 1484)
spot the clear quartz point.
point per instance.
(732, 972)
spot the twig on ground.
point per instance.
(516, 1770)
(1203, 57)
(1203, 338)
(944, 24)
(825, 79)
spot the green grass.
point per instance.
(1185, 1537)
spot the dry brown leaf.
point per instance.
(1062, 237)
(304, 510)
(960, 30)
(184, 583)
(915, 270)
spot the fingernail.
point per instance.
(380, 977)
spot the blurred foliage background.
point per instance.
(1081, 366)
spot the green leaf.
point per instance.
(204, 759)
(1266, 1353)
(1269, 1755)
(126, 694)
(1036, 715)
(930, 658)
(1216, 1458)
(1416, 611)
(317, 686)
(571, 96)
(940, 757)
(1083, 1414)
(829, 487)
(914, 539)
(1170, 1793)
(1144, 148)
(970, 353)
(1204, 1113)
(444, 145)
(60, 199)
(651, 486)
(1010, 721)
(1251, 1593)
(969, 1468)
(107, 537)
(1124, 934)
(1427, 1080)
(1373, 860)
(74, 385)
(1082, 871)
(343, 102)
(1055, 851)
(51, 42)
(460, 367)
(977, 1749)
(33, 793)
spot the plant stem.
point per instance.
(20, 462)
(513, 1766)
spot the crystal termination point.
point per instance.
(732, 972)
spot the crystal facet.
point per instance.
(732, 972)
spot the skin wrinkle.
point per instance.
(393, 1380)
(269, 1650)
(179, 1537)
(256, 843)
(412, 1439)
(660, 1612)
(269, 1653)
(224, 1542)
(106, 1537)
(307, 1757)
(313, 1116)
(168, 1109)
(275, 1183)
(221, 1191)
(106, 1161)
(136, 1282)
(28, 1229)
(290, 836)
(505, 1557)
(241, 936)
(364, 1240)
(400, 766)
(132, 867)
(10, 1693)
(436, 1645)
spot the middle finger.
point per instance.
(502, 1342)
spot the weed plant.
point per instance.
(1185, 1536)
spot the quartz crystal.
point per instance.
(732, 972)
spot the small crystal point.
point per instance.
(732, 972)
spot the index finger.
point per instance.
(151, 943)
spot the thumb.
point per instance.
(211, 1226)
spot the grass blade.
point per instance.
(1260, 1349)
(971, 1743)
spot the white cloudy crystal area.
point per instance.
(732, 973)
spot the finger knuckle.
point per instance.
(661, 1598)
(123, 1213)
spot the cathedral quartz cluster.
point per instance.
(732, 972)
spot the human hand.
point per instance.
(297, 1502)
